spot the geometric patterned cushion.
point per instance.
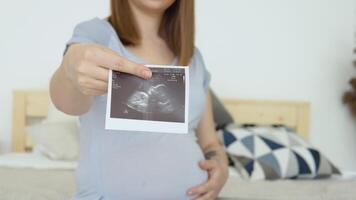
(273, 152)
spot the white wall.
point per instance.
(32, 40)
(276, 49)
(286, 49)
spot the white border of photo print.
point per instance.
(161, 123)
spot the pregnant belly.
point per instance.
(162, 167)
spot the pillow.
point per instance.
(273, 152)
(55, 115)
(56, 140)
(220, 114)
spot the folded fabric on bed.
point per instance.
(274, 152)
(34, 160)
(56, 140)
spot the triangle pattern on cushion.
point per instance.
(229, 138)
(296, 140)
(293, 167)
(269, 172)
(334, 170)
(249, 143)
(283, 157)
(269, 162)
(270, 136)
(243, 160)
(261, 148)
(294, 143)
(239, 132)
(258, 172)
(316, 158)
(272, 145)
(325, 167)
(238, 149)
(249, 167)
(263, 152)
(239, 166)
(302, 165)
(307, 157)
(283, 138)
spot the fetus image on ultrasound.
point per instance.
(161, 98)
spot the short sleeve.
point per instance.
(91, 31)
(203, 70)
(207, 78)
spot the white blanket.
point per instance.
(34, 161)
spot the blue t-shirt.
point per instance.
(130, 165)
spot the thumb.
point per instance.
(206, 164)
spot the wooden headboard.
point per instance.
(295, 114)
(26, 105)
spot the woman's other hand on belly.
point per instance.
(209, 190)
(216, 163)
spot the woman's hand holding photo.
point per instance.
(87, 66)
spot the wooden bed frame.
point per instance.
(25, 105)
(295, 114)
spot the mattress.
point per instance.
(35, 184)
(30, 176)
(327, 189)
(50, 184)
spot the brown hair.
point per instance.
(349, 97)
(177, 27)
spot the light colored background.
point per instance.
(276, 49)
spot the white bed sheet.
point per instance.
(345, 175)
(334, 188)
(34, 160)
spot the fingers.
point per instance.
(135, 69)
(210, 185)
(208, 164)
(111, 60)
(93, 84)
(91, 70)
(207, 196)
(92, 92)
(90, 86)
(201, 189)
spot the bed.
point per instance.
(30, 183)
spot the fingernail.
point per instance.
(190, 193)
(147, 73)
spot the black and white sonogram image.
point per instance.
(161, 98)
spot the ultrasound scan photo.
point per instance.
(161, 98)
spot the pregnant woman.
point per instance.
(128, 165)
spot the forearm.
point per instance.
(216, 152)
(65, 96)
(207, 136)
